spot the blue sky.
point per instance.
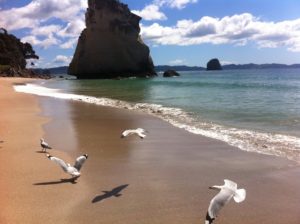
(189, 32)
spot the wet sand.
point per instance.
(163, 178)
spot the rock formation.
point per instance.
(170, 73)
(110, 46)
(13, 55)
(213, 64)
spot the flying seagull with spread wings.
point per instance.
(139, 131)
(44, 145)
(72, 170)
(227, 191)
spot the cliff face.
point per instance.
(111, 46)
(13, 52)
(13, 55)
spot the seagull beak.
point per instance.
(215, 187)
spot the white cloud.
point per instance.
(62, 59)
(37, 13)
(45, 30)
(44, 43)
(150, 12)
(69, 44)
(205, 26)
(73, 29)
(237, 29)
(227, 62)
(177, 62)
(179, 4)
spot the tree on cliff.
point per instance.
(13, 52)
(13, 55)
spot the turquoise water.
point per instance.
(256, 110)
(265, 100)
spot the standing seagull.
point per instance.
(227, 191)
(72, 170)
(139, 131)
(44, 145)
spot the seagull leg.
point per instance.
(74, 178)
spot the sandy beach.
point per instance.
(163, 178)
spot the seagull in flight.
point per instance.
(44, 145)
(72, 170)
(139, 131)
(227, 191)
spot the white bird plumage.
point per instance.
(72, 170)
(44, 145)
(139, 131)
(227, 191)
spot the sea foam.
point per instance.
(248, 140)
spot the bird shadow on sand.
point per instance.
(40, 151)
(61, 181)
(112, 193)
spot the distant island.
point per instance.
(162, 68)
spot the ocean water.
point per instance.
(254, 110)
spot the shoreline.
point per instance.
(162, 179)
(24, 169)
(251, 140)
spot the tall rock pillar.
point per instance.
(110, 46)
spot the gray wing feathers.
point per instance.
(79, 162)
(45, 145)
(216, 204)
(60, 162)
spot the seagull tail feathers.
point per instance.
(239, 195)
(208, 219)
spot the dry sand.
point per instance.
(163, 178)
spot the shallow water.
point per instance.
(255, 110)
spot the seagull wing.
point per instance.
(45, 145)
(60, 162)
(230, 184)
(239, 195)
(219, 201)
(80, 161)
(141, 130)
(126, 133)
(141, 135)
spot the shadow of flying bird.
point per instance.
(107, 194)
(61, 181)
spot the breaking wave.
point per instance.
(248, 140)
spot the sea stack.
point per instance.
(111, 46)
(213, 64)
(170, 73)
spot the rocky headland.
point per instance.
(13, 55)
(110, 46)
